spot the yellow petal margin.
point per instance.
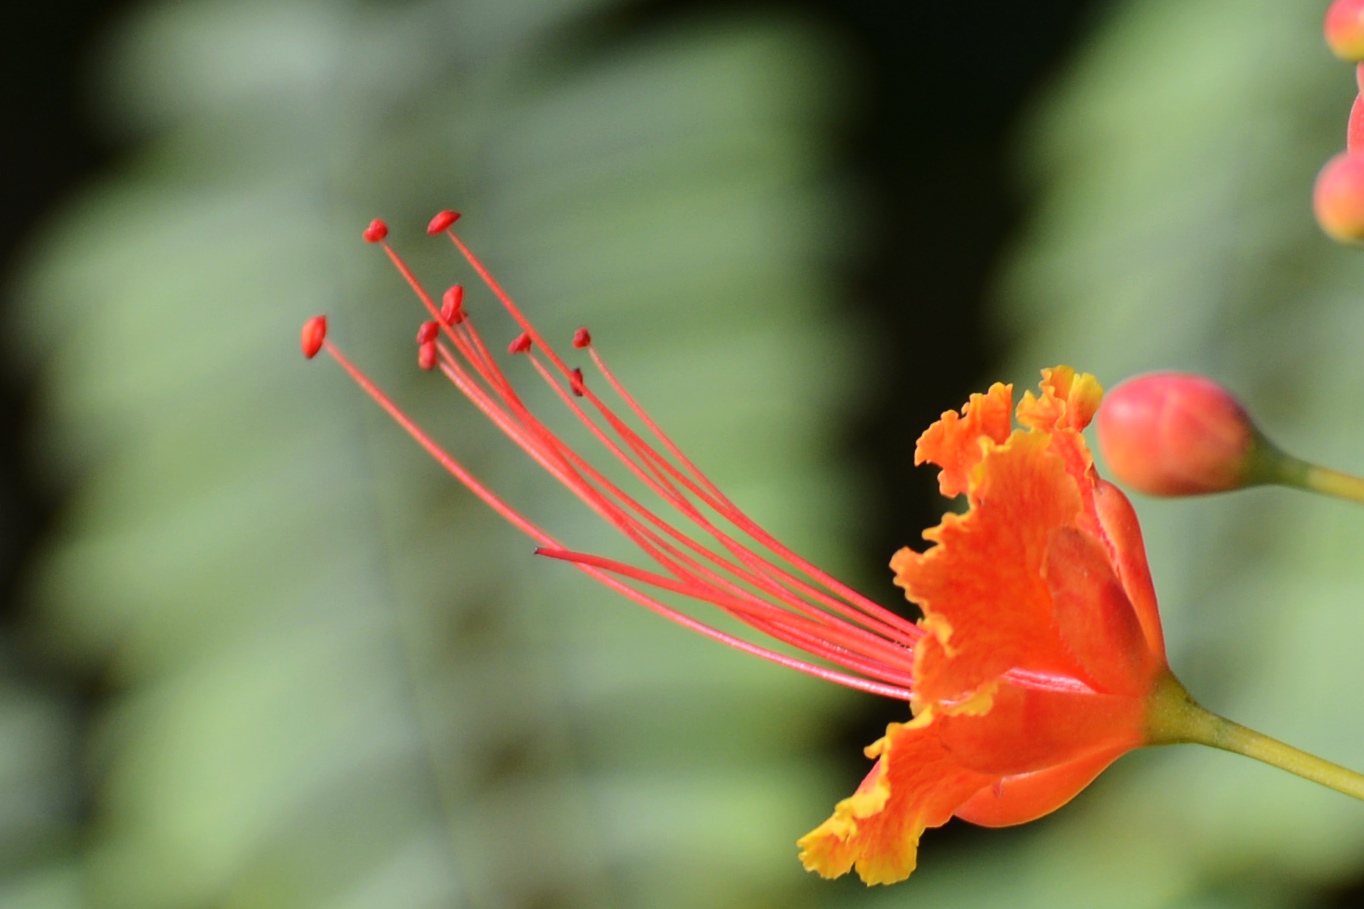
(915, 784)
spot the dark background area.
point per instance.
(943, 87)
(49, 148)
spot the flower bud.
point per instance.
(1344, 28)
(1338, 198)
(1172, 434)
(1354, 133)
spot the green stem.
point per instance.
(1272, 465)
(1176, 717)
(1333, 483)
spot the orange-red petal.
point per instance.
(1028, 796)
(1118, 520)
(1094, 616)
(954, 442)
(1031, 729)
(914, 785)
(1069, 400)
(987, 606)
(1067, 404)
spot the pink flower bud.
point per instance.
(1172, 434)
(1344, 28)
(1338, 199)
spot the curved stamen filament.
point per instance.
(698, 581)
(708, 552)
(456, 469)
(763, 573)
(696, 483)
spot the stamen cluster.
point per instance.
(710, 553)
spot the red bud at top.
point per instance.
(1344, 28)
(1338, 198)
(1172, 434)
(376, 231)
(582, 338)
(314, 333)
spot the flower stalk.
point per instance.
(1300, 474)
(1176, 718)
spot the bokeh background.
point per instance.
(256, 651)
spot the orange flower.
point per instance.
(1043, 643)
(1039, 650)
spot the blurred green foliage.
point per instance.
(333, 679)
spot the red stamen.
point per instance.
(710, 552)
(548, 542)
(314, 333)
(427, 332)
(452, 306)
(442, 221)
(705, 491)
(376, 231)
(426, 355)
(830, 642)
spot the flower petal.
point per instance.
(1123, 533)
(1028, 796)
(1069, 401)
(1032, 729)
(987, 606)
(915, 784)
(954, 442)
(1094, 615)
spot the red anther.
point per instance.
(582, 338)
(452, 306)
(441, 221)
(426, 354)
(376, 231)
(520, 345)
(575, 382)
(427, 332)
(314, 333)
